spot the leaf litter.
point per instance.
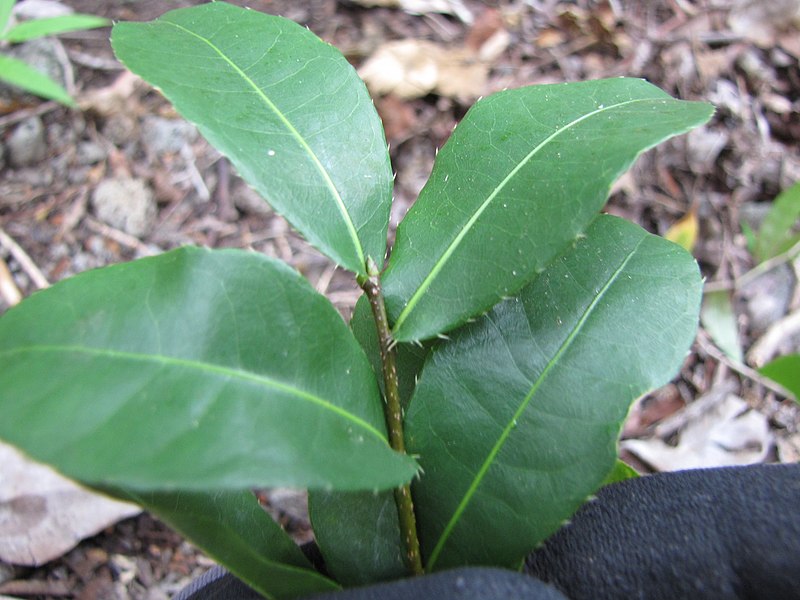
(733, 53)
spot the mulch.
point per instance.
(730, 169)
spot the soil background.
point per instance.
(60, 212)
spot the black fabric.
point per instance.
(474, 583)
(730, 533)
(217, 584)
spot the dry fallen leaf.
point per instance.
(43, 515)
(684, 231)
(414, 68)
(716, 430)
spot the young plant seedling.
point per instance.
(20, 74)
(184, 380)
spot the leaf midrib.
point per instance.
(439, 265)
(468, 495)
(351, 229)
(204, 368)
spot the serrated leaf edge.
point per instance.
(351, 229)
(412, 302)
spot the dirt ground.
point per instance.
(728, 52)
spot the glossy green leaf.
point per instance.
(786, 371)
(778, 232)
(237, 533)
(516, 419)
(719, 320)
(193, 370)
(520, 179)
(358, 533)
(286, 108)
(28, 30)
(25, 77)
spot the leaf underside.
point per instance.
(516, 418)
(286, 108)
(193, 370)
(520, 179)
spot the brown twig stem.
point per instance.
(394, 415)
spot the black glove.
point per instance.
(474, 583)
(706, 534)
(731, 533)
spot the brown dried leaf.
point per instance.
(716, 430)
(43, 515)
(414, 68)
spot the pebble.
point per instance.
(767, 297)
(26, 145)
(126, 204)
(89, 153)
(7, 572)
(166, 136)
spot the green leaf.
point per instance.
(6, 7)
(286, 108)
(237, 533)
(786, 371)
(719, 320)
(365, 545)
(21, 75)
(193, 370)
(28, 30)
(620, 472)
(777, 233)
(520, 179)
(516, 419)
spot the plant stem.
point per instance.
(394, 415)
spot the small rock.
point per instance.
(26, 145)
(7, 572)
(704, 146)
(126, 204)
(40, 9)
(165, 136)
(754, 213)
(89, 153)
(120, 129)
(767, 297)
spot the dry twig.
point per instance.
(25, 261)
